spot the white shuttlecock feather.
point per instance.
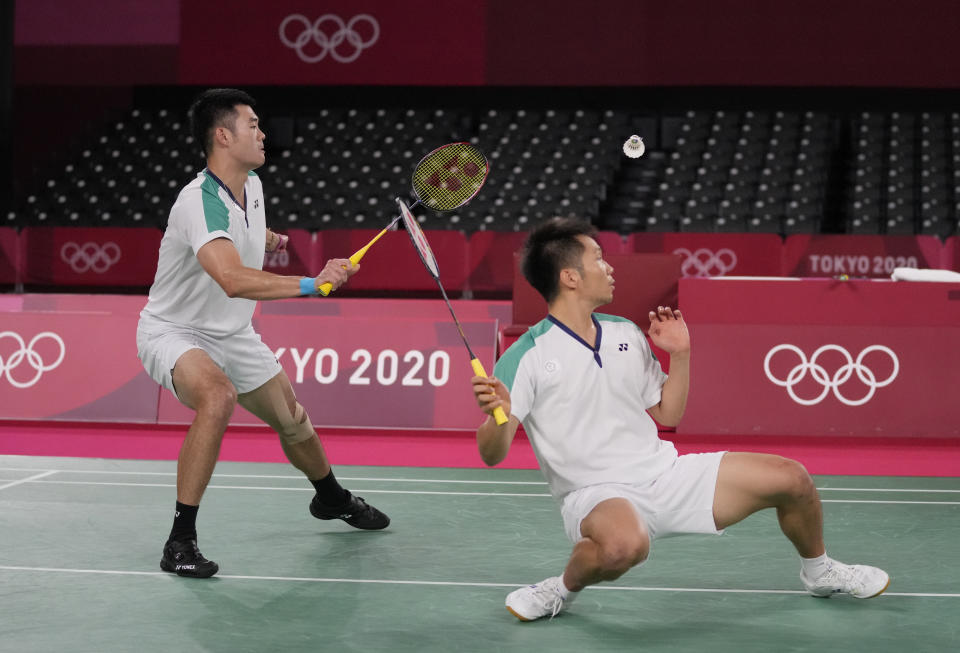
(634, 147)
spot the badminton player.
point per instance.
(585, 386)
(195, 336)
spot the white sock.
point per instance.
(815, 567)
(562, 588)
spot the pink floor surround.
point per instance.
(822, 455)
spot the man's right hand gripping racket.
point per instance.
(445, 179)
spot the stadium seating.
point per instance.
(706, 170)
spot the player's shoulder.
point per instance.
(615, 321)
(525, 345)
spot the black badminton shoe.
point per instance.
(355, 511)
(183, 558)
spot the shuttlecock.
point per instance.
(634, 147)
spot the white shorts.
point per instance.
(679, 502)
(242, 356)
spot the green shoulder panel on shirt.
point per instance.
(506, 367)
(214, 210)
(604, 317)
(251, 173)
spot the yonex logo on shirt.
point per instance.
(624, 346)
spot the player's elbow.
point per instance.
(230, 284)
(669, 421)
(491, 460)
(490, 453)
(666, 417)
(231, 291)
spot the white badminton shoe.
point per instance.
(543, 599)
(859, 581)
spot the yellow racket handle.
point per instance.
(498, 413)
(325, 288)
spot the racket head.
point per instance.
(450, 176)
(419, 240)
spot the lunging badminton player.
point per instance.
(585, 386)
(195, 336)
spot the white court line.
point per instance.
(424, 492)
(296, 489)
(29, 479)
(429, 480)
(435, 583)
(293, 477)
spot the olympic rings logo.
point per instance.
(704, 263)
(819, 374)
(343, 32)
(26, 353)
(90, 256)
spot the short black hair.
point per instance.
(551, 247)
(215, 107)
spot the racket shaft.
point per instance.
(325, 288)
(498, 414)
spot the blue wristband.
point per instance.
(308, 286)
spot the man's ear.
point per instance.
(220, 136)
(569, 277)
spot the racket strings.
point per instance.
(450, 176)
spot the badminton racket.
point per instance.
(420, 243)
(445, 179)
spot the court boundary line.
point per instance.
(416, 480)
(30, 479)
(417, 492)
(434, 583)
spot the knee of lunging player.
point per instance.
(798, 486)
(617, 557)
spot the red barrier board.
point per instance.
(392, 264)
(951, 254)
(858, 256)
(8, 256)
(335, 43)
(89, 256)
(822, 357)
(717, 255)
(297, 259)
(396, 373)
(73, 357)
(492, 259)
(73, 366)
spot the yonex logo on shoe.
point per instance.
(186, 566)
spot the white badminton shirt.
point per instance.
(182, 291)
(584, 410)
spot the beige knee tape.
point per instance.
(297, 428)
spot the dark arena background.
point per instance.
(798, 198)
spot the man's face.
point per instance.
(246, 139)
(597, 274)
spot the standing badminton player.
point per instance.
(585, 386)
(195, 336)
